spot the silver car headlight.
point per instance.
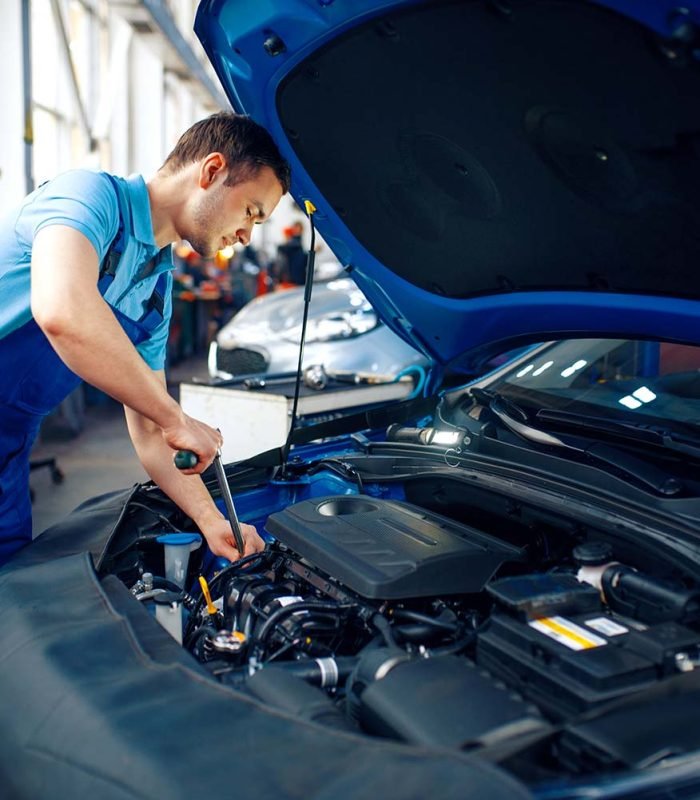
(335, 327)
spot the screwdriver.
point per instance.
(186, 459)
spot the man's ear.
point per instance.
(212, 167)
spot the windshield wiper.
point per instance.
(516, 420)
(637, 432)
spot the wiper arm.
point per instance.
(637, 432)
(517, 421)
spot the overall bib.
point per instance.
(34, 380)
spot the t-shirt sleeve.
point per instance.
(154, 349)
(81, 199)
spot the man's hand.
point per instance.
(200, 438)
(220, 539)
(156, 447)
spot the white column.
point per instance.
(146, 109)
(12, 181)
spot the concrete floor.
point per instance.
(100, 458)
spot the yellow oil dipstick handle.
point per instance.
(211, 608)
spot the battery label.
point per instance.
(606, 626)
(567, 633)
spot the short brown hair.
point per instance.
(246, 146)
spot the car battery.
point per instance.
(567, 655)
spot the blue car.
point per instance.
(483, 591)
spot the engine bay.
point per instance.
(438, 613)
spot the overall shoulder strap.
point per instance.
(126, 227)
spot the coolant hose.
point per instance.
(324, 672)
(282, 689)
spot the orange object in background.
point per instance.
(187, 295)
(221, 260)
(261, 282)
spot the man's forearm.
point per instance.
(186, 491)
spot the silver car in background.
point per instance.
(343, 334)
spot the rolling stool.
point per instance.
(56, 473)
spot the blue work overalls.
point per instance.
(34, 380)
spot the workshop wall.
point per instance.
(109, 86)
(12, 127)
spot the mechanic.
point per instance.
(85, 284)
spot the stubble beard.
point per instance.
(200, 237)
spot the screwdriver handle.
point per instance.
(186, 459)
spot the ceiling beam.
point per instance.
(152, 18)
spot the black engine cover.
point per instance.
(384, 549)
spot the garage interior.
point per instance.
(471, 454)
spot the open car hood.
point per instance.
(491, 172)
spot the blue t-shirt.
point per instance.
(86, 201)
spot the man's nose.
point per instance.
(243, 235)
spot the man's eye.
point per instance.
(248, 212)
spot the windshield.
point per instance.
(648, 382)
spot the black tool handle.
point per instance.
(186, 459)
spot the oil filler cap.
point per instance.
(592, 554)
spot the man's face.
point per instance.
(225, 215)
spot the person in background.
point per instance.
(85, 288)
(291, 257)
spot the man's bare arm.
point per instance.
(84, 332)
(187, 491)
